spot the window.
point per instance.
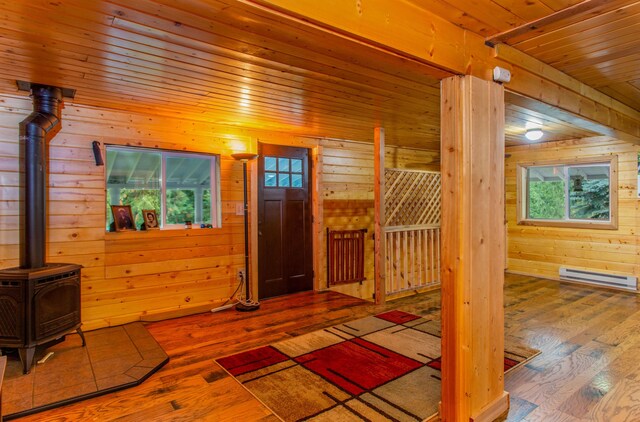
(574, 195)
(180, 187)
(282, 172)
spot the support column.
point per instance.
(472, 272)
(379, 216)
(317, 206)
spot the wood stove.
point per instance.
(38, 306)
(39, 302)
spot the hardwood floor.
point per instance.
(587, 370)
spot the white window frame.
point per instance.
(638, 182)
(523, 194)
(216, 218)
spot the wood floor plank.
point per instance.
(519, 409)
(588, 368)
(568, 387)
(545, 385)
(539, 415)
(622, 403)
(585, 398)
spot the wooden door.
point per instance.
(285, 246)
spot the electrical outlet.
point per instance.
(239, 208)
(240, 274)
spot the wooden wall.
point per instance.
(542, 250)
(159, 274)
(347, 193)
(126, 276)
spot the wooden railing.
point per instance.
(413, 257)
(412, 229)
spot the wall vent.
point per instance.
(602, 279)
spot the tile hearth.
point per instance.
(114, 358)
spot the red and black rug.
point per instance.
(383, 367)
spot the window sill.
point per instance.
(595, 225)
(165, 232)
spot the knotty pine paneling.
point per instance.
(347, 192)
(126, 276)
(541, 251)
(195, 59)
(156, 274)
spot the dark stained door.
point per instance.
(285, 250)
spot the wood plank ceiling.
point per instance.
(227, 63)
(595, 41)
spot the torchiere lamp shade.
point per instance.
(244, 156)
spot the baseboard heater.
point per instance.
(602, 279)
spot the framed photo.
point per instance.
(150, 219)
(122, 218)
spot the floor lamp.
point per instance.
(247, 304)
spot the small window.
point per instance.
(270, 164)
(582, 194)
(280, 172)
(270, 180)
(180, 187)
(283, 181)
(283, 164)
(296, 166)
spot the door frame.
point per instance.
(317, 232)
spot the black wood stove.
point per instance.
(39, 302)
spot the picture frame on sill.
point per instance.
(150, 219)
(123, 218)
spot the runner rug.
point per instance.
(383, 367)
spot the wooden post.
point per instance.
(3, 367)
(379, 218)
(472, 272)
(318, 222)
(253, 220)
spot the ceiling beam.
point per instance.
(403, 29)
(557, 17)
(538, 68)
(176, 167)
(134, 167)
(196, 168)
(422, 35)
(110, 162)
(571, 118)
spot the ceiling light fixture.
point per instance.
(533, 134)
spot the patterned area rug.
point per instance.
(383, 367)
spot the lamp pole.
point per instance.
(247, 304)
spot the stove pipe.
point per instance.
(35, 132)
